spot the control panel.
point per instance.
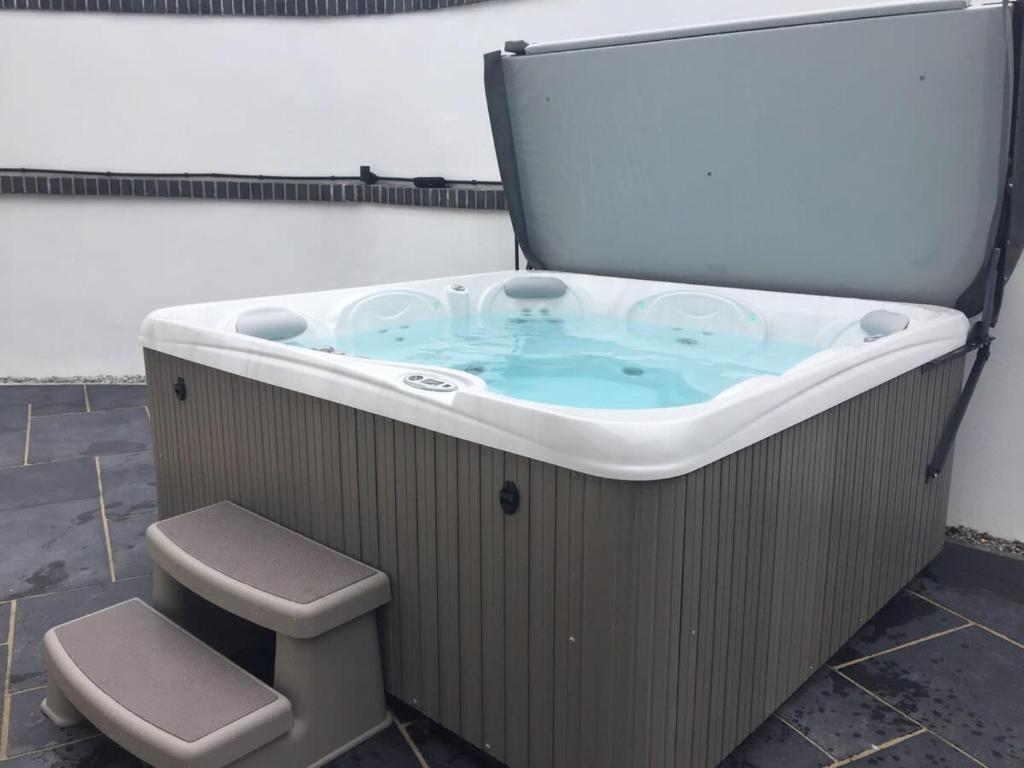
(429, 383)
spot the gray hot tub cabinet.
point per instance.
(604, 623)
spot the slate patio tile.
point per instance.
(52, 547)
(47, 484)
(128, 545)
(775, 744)
(5, 617)
(45, 398)
(103, 397)
(966, 687)
(983, 586)
(841, 718)
(923, 750)
(12, 448)
(71, 435)
(443, 749)
(95, 752)
(129, 484)
(388, 749)
(35, 615)
(903, 619)
(13, 422)
(30, 729)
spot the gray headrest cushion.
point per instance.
(535, 288)
(271, 323)
(881, 322)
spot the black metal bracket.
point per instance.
(367, 176)
(980, 339)
(956, 418)
(180, 389)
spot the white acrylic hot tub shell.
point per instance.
(647, 444)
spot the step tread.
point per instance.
(157, 672)
(262, 554)
(263, 572)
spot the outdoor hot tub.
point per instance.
(604, 504)
(630, 499)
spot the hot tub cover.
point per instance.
(853, 153)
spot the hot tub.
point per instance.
(596, 585)
(629, 500)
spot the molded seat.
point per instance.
(157, 690)
(264, 572)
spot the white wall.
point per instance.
(292, 96)
(85, 272)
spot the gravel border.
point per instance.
(103, 379)
(963, 535)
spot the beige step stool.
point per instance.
(173, 701)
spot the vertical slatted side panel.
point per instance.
(750, 714)
(720, 505)
(765, 672)
(164, 439)
(624, 516)
(562, 629)
(785, 546)
(543, 542)
(427, 527)
(334, 523)
(949, 378)
(448, 577)
(387, 542)
(883, 501)
(703, 492)
(927, 419)
(578, 520)
(903, 475)
(688, 592)
(658, 671)
(645, 556)
(470, 591)
(407, 532)
(819, 475)
(843, 550)
(492, 532)
(594, 640)
(517, 613)
(741, 629)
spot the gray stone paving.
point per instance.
(934, 679)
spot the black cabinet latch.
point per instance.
(180, 390)
(508, 497)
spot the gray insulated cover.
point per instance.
(839, 155)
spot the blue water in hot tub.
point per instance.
(589, 361)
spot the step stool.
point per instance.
(152, 686)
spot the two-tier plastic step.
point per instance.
(139, 675)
